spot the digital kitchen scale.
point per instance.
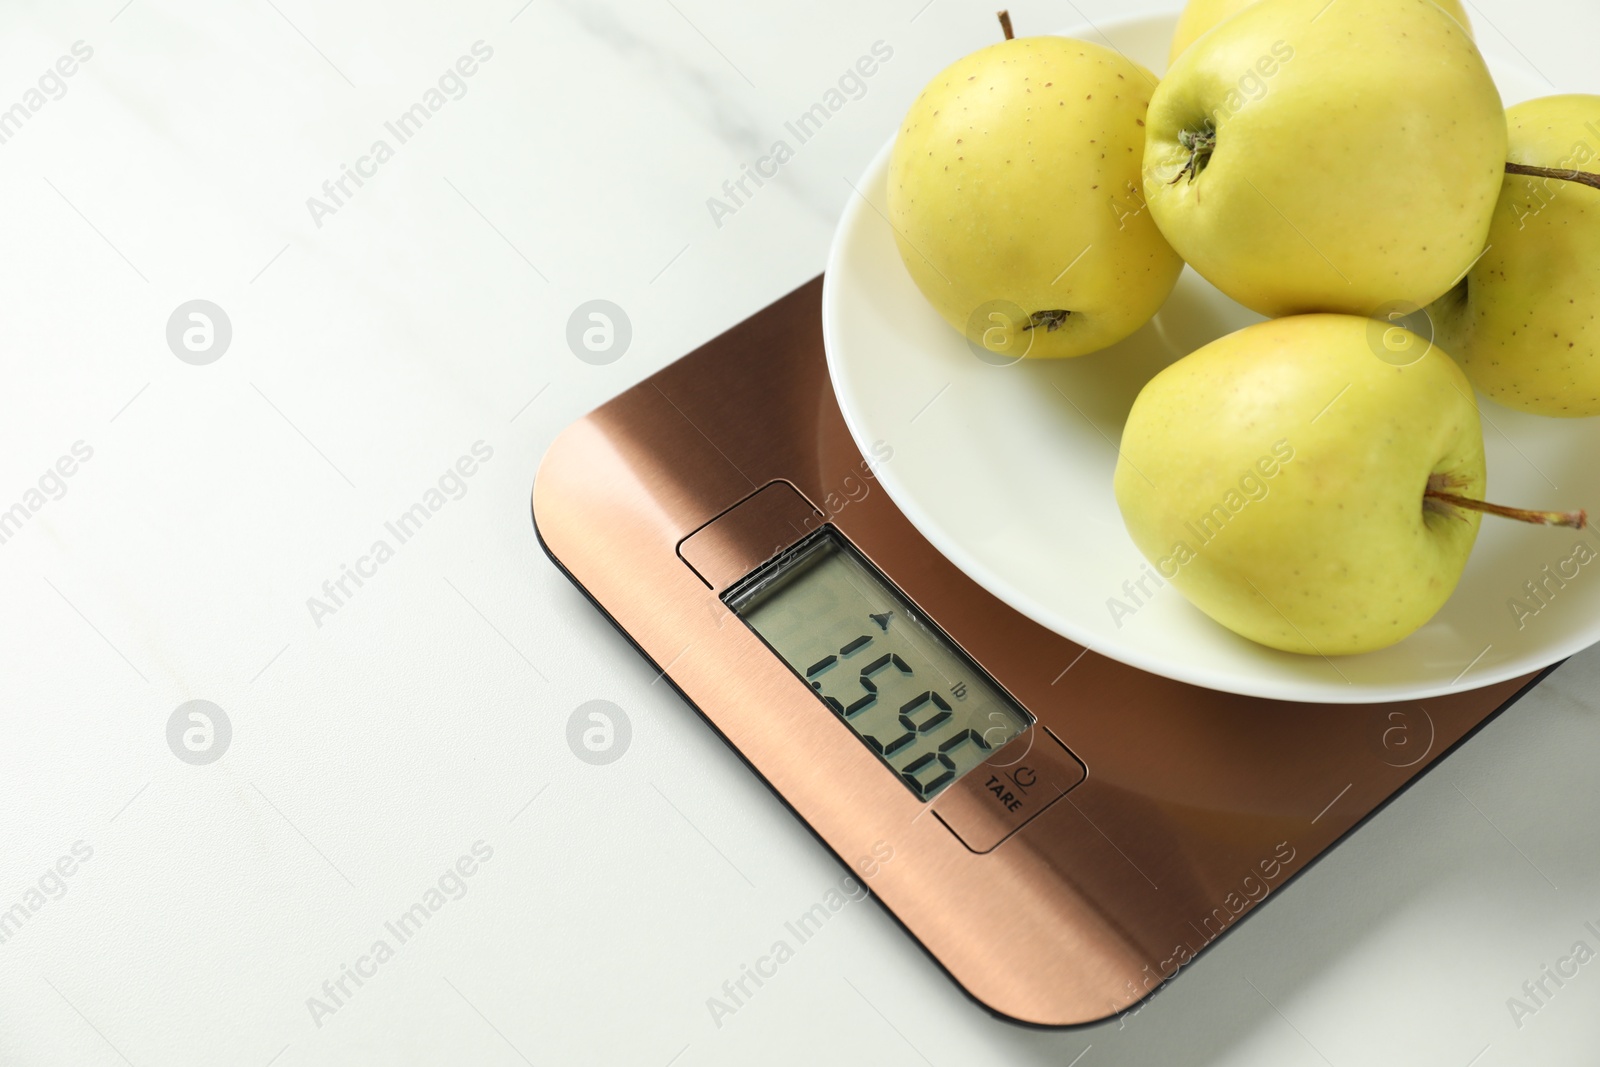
(1061, 832)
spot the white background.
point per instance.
(369, 752)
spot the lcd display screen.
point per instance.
(901, 686)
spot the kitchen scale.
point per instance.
(1061, 832)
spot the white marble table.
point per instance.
(403, 740)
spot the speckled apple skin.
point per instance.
(1016, 177)
(1361, 172)
(1338, 555)
(1524, 325)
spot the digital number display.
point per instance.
(909, 694)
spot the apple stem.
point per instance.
(1200, 143)
(1581, 177)
(1005, 24)
(1577, 520)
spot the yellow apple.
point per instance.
(1522, 323)
(1280, 477)
(1315, 156)
(1200, 15)
(1014, 194)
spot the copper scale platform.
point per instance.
(1083, 862)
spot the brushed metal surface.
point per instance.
(1197, 804)
(748, 534)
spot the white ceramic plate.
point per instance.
(1007, 471)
